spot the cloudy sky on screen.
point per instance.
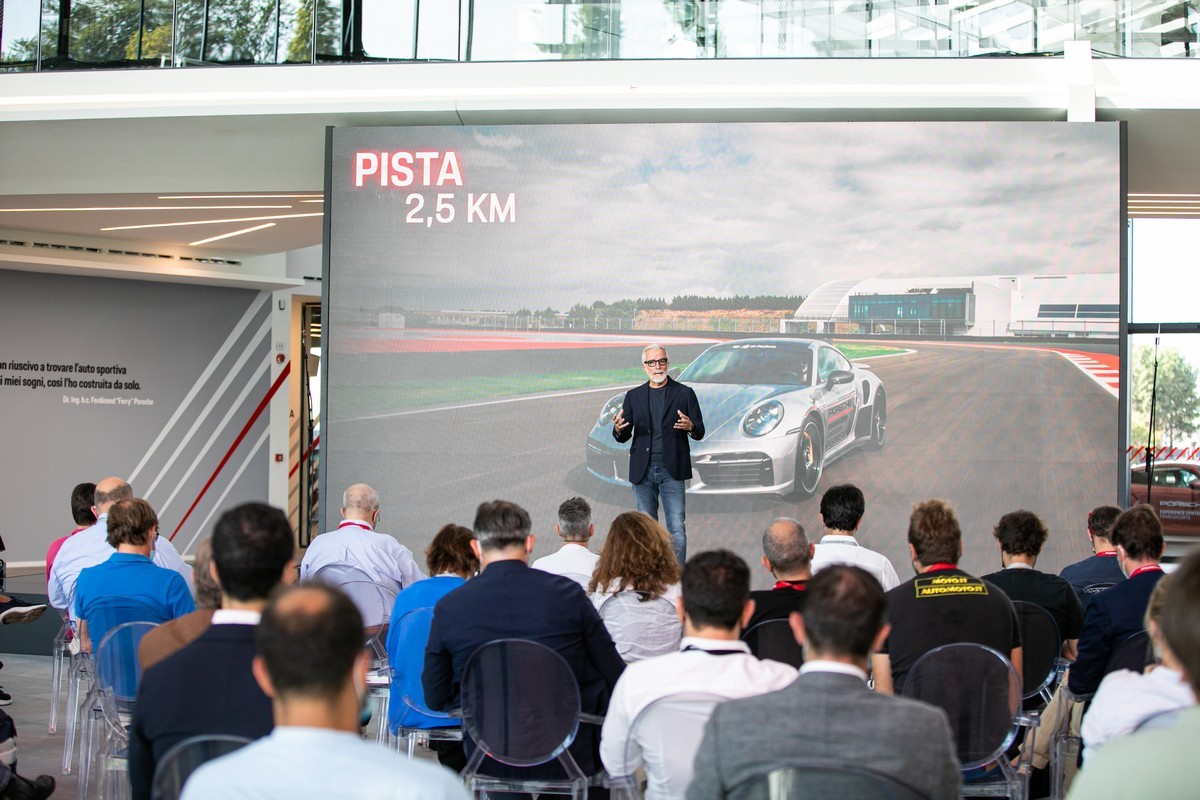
(606, 212)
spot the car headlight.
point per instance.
(763, 419)
(610, 409)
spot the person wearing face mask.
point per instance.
(1116, 614)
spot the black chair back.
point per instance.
(773, 639)
(1041, 646)
(1133, 653)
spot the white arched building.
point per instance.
(1086, 305)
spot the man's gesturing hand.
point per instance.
(684, 423)
(619, 422)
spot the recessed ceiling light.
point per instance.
(209, 222)
(232, 234)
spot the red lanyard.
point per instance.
(941, 565)
(796, 585)
(354, 523)
(1146, 568)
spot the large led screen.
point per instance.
(490, 290)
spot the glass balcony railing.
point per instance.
(89, 34)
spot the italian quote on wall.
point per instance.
(78, 384)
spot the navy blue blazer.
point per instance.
(509, 600)
(1113, 615)
(206, 687)
(676, 453)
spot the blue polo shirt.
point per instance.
(154, 594)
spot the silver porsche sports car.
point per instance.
(776, 411)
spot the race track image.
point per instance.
(452, 418)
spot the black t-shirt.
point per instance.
(944, 607)
(1048, 591)
(657, 400)
(775, 604)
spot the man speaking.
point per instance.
(662, 414)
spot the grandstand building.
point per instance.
(988, 305)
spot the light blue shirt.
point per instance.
(299, 763)
(89, 548)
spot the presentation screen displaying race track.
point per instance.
(922, 309)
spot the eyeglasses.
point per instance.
(656, 362)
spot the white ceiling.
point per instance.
(129, 138)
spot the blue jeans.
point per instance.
(659, 483)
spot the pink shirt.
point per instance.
(55, 546)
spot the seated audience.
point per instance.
(312, 665)
(1157, 763)
(1021, 536)
(174, 634)
(714, 604)
(942, 604)
(357, 544)
(160, 594)
(1117, 613)
(575, 528)
(787, 555)
(207, 687)
(91, 547)
(1099, 571)
(451, 562)
(637, 557)
(509, 600)
(1126, 698)
(828, 713)
(81, 511)
(842, 509)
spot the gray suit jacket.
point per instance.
(827, 715)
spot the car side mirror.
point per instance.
(673, 372)
(839, 376)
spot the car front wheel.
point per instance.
(810, 457)
(878, 422)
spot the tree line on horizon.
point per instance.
(686, 302)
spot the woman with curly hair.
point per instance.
(635, 585)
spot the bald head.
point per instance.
(786, 550)
(109, 491)
(360, 501)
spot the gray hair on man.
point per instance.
(362, 497)
(650, 347)
(785, 545)
(574, 520)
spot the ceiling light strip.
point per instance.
(232, 234)
(233, 196)
(209, 222)
(139, 208)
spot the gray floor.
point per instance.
(27, 679)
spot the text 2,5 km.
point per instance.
(447, 207)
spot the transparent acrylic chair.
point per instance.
(521, 708)
(980, 691)
(109, 711)
(821, 780)
(60, 655)
(773, 639)
(664, 738)
(375, 602)
(178, 763)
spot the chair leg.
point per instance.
(75, 677)
(91, 717)
(56, 686)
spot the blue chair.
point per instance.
(411, 719)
